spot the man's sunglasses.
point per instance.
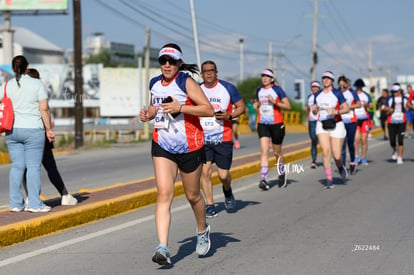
(163, 60)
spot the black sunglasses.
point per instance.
(163, 60)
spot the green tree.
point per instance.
(247, 88)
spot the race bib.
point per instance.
(266, 110)
(161, 120)
(347, 117)
(360, 111)
(397, 117)
(210, 123)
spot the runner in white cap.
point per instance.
(396, 106)
(331, 104)
(177, 102)
(271, 100)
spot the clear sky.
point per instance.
(345, 29)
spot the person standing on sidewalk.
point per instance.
(25, 142)
(218, 134)
(271, 99)
(177, 102)
(49, 163)
(330, 129)
(396, 107)
(364, 123)
(350, 121)
(312, 119)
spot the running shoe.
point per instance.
(69, 200)
(344, 174)
(400, 160)
(352, 169)
(211, 211)
(203, 241)
(16, 209)
(282, 181)
(43, 209)
(329, 184)
(394, 155)
(357, 160)
(229, 201)
(364, 162)
(161, 255)
(314, 165)
(263, 185)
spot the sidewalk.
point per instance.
(105, 202)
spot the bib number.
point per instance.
(161, 120)
(266, 110)
(210, 123)
(397, 117)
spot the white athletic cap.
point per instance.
(268, 73)
(328, 74)
(315, 84)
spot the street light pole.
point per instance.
(197, 48)
(241, 41)
(314, 37)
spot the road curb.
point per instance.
(74, 216)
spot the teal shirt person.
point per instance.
(26, 108)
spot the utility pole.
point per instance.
(314, 43)
(241, 41)
(270, 49)
(197, 48)
(78, 73)
(370, 60)
(147, 77)
(7, 33)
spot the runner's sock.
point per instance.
(328, 173)
(264, 170)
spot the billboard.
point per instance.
(21, 5)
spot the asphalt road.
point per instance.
(90, 169)
(363, 227)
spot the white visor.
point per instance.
(395, 88)
(268, 73)
(171, 52)
(329, 75)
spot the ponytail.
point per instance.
(19, 66)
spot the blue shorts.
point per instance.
(221, 154)
(409, 116)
